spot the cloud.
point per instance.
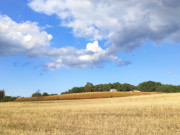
(30, 40)
(93, 56)
(126, 24)
(21, 38)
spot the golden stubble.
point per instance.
(138, 115)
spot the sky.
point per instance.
(54, 45)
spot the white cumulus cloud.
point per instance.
(94, 47)
(93, 56)
(29, 39)
(126, 24)
(17, 38)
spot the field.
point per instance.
(157, 114)
(87, 95)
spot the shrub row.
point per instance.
(149, 86)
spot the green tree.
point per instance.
(126, 87)
(170, 88)
(8, 98)
(45, 94)
(149, 86)
(2, 94)
(89, 87)
(36, 94)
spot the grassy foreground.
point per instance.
(137, 115)
(87, 95)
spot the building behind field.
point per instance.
(113, 90)
(136, 91)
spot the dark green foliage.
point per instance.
(8, 99)
(77, 90)
(2, 94)
(89, 87)
(45, 94)
(149, 86)
(168, 88)
(4, 98)
(36, 94)
(126, 87)
(52, 94)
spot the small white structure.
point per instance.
(113, 90)
(136, 91)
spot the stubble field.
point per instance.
(138, 115)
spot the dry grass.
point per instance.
(138, 115)
(87, 95)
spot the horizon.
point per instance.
(55, 45)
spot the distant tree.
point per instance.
(115, 85)
(45, 94)
(161, 88)
(149, 86)
(2, 94)
(167, 88)
(53, 94)
(170, 88)
(8, 99)
(107, 87)
(89, 87)
(36, 94)
(99, 89)
(126, 87)
(77, 90)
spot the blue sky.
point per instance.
(54, 45)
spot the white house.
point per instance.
(113, 90)
(136, 91)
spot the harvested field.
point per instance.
(137, 115)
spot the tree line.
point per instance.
(4, 98)
(38, 94)
(148, 86)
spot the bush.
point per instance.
(53, 94)
(45, 94)
(126, 87)
(8, 98)
(149, 86)
(2, 94)
(36, 94)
